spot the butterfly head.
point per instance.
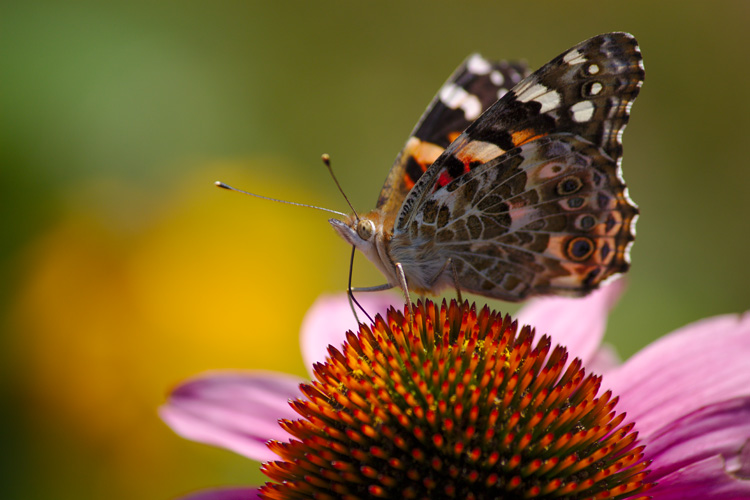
(366, 234)
(358, 231)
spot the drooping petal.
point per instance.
(698, 365)
(707, 479)
(576, 323)
(722, 430)
(238, 411)
(330, 317)
(224, 494)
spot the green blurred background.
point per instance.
(124, 270)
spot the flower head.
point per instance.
(453, 403)
(465, 404)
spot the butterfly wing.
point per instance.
(471, 89)
(551, 216)
(586, 91)
(546, 210)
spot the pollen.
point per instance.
(454, 403)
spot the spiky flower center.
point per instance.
(454, 404)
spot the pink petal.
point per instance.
(225, 494)
(707, 479)
(698, 365)
(238, 411)
(722, 429)
(576, 323)
(604, 360)
(330, 317)
(739, 465)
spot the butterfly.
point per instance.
(510, 185)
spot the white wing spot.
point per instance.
(522, 87)
(501, 93)
(582, 111)
(497, 78)
(455, 97)
(574, 57)
(596, 87)
(548, 98)
(593, 69)
(478, 65)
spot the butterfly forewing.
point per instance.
(586, 91)
(475, 85)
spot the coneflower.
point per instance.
(458, 403)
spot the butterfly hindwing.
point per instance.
(472, 88)
(550, 216)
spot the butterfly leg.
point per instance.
(455, 281)
(454, 274)
(376, 288)
(404, 287)
(350, 294)
(387, 286)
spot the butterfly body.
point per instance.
(526, 197)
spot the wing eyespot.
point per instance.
(569, 185)
(585, 222)
(580, 248)
(591, 89)
(589, 68)
(575, 203)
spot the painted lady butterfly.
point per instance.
(529, 198)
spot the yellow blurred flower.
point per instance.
(113, 310)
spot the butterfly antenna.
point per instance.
(230, 188)
(327, 160)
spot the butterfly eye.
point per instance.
(365, 229)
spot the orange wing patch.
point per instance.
(423, 153)
(526, 135)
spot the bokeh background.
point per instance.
(125, 271)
